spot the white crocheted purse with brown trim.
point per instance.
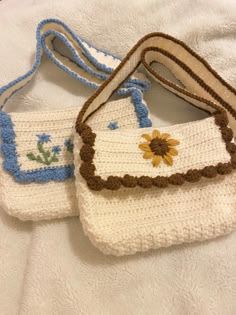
(144, 189)
(37, 173)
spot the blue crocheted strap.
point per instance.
(103, 63)
(90, 66)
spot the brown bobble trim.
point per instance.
(82, 127)
(231, 147)
(227, 134)
(145, 181)
(221, 119)
(160, 181)
(224, 168)
(113, 183)
(192, 176)
(87, 169)
(88, 137)
(95, 183)
(176, 179)
(233, 161)
(209, 171)
(129, 181)
(87, 153)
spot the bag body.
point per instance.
(156, 187)
(37, 174)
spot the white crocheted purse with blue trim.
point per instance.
(37, 174)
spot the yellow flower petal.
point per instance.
(156, 160)
(156, 134)
(148, 155)
(168, 160)
(172, 142)
(173, 151)
(145, 147)
(165, 136)
(147, 137)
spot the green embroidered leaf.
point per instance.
(31, 156)
(54, 159)
(47, 154)
(46, 158)
(40, 147)
(39, 159)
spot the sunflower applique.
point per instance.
(159, 147)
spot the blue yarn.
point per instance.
(113, 125)
(10, 163)
(140, 109)
(132, 82)
(144, 85)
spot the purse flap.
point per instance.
(38, 146)
(157, 157)
(171, 155)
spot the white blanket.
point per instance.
(51, 267)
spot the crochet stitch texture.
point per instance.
(126, 204)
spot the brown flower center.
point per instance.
(159, 146)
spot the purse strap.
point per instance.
(202, 86)
(88, 65)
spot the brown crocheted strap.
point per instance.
(171, 52)
(95, 182)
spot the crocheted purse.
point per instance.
(142, 189)
(37, 177)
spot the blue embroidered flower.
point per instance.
(44, 138)
(69, 145)
(113, 125)
(56, 149)
(44, 155)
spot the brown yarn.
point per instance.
(224, 168)
(88, 137)
(87, 153)
(231, 147)
(113, 183)
(192, 176)
(95, 183)
(129, 181)
(160, 181)
(176, 179)
(209, 171)
(233, 160)
(145, 181)
(82, 127)
(227, 134)
(87, 170)
(221, 119)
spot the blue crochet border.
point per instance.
(57, 173)
(11, 164)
